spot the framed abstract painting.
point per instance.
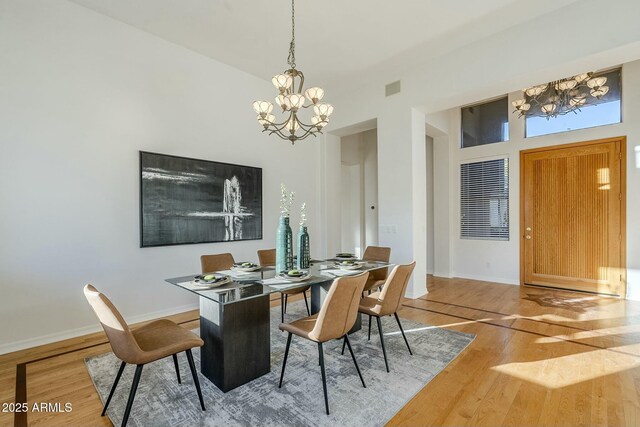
(187, 201)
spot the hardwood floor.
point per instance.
(541, 357)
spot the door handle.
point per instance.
(527, 237)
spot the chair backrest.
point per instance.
(377, 253)
(217, 262)
(340, 308)
(122, 341)
(394, 288)
(267, 257)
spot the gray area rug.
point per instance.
(161, 401)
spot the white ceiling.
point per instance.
(334, 38)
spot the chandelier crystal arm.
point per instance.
(282, 125)
(301, 75)
(284, 136)
(303, 126)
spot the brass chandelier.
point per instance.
(292, 100)
(561, 97)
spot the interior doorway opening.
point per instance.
(359, 191)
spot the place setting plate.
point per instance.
(245, 267)
(350, 264)
(345, 256)
(209, 281)
(294, 275)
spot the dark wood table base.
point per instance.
(237, 343)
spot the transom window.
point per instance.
(605, 111)
(485, 123)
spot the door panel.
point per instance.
(572, 217)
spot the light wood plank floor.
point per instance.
(541, 357)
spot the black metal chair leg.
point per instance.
(282, 307)
(344, 343)
(353, 356)
(403, 335)
(284, 362)
(113, 388)
(324, 378)
(175, 363)
(306, 303)
(192, 366)
(369, 339)
(384, 352)
(132, 394)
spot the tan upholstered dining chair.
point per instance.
(267, 258)
(376, 277)
(217, 262)
(387, 302)
(336, 317)
(151, 342)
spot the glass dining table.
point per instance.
(235, 317)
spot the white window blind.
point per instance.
(484, 200)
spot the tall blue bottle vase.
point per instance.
(304, 257)
(284, 246)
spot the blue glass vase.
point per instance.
(304, 257)
(284, 246)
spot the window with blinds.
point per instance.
(484, 200)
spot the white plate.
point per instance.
(293, 279)
(245, 269)
(350, 267)
(204, 285)
(355, 266)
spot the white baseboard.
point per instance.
(416, 295)
(444, 274)
(500, 280)
(85, 330)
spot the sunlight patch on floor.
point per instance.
(426, 328)
(571, 369)
(615, 333)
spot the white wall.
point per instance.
(330, 207)
(80, 94)
(499, 261)
(370, 188)
(430, 231)
(442, 206)
(351, 192)
(402, 190)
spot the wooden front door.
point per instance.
(572, 216)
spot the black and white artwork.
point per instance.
(185, 201)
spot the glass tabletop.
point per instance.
(245, 285)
